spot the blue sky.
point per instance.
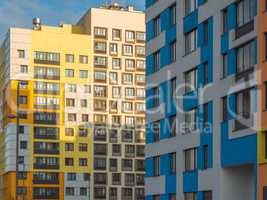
(20, 13)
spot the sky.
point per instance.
(19, 13)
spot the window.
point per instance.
(225, 21)
(113, 49)
(173, 163)
(224, 108)
(127, 79)
(129, 36)
(156, 24)
(21, 53)
(71, 87)
(205, 157)
(140, 37)
(140, 179)
(224, 65)
(190, 120)
(47, 58)
(156, 130)
(173, 15)
(205, 114)
(140, 93)
(205, 32)
(172, 122)
(126, 193)
(173, 51)
(243, 103)
(100, 91)
(70, 191)
(129, 93)
(69, 58)
(129, 179)
(173, 88)
(83, 132)
(24, 69)
(207, 195)
(83, 59)
(83, 191)
(116, 149)
(140, 51)
(156, 100)
(70, 102)
(116, 34)
(113, 164)
(140, 64)
(116, 92)
(129, 121)
(100, 76)
(245, 57)
(190, 42)
(244, 12)
(126, 165)
(156, 197)
(127, 50)
(23, 144)
(87, 89)
(23, 99)
(116, 63)
(69, 72)
(100, 47)
(71, 176)
(113, 77)
(69, 131)
(69, 147)
(172, 197)
(116, 178)
(83, 74)
(140, 107)
(100, 163)
(100, 105)
(100, 61)
(156, 58)
(140, 79)
(190, 6)
(129, 64)
(129, 150)
(113, 106)
(72, 117)
(83, 103)
(99, 192)
(156, 165)
(127, 136)
(22, 175)
(100, 32)
(85, 117)
(69, 161)
(190, 80)
(100, 119)
(190, 159)
(82, 162)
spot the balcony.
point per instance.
(244, 29)
(246, 74)
(245, 122)
(49, 62)
(46, 151)
(45, 166)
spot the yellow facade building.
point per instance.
(74, 95)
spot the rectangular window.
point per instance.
(244, 12)
(190, 42)
(127, 50)
(140, 65)
(190, 6)
(127, 79)
(129, 36)
(83, 74)
(156, 59)
(100, 61)
(190, 196)
(129, 64)
(83, 59)
(172, 122)
(173, 163)
(100, 91)
(100, 47)
(173, 51)
(224, 108)
(206, 32)
(190, 121)
(69, 72)
(69, 58)
(23, 99)
(156, 24)
(207, 195)
(140, 37)
(70, 102)
(156, 166)
(224, 65)
(156, 98)
(243, 103)
(245, 57)
(116, 34)
(100, 32)
(116, 63)
(205, 157)
(24, 69)
(46, 58)
(113, 49)
(190, 159)
(173, 14)
(100, 76)
(206, 73)
(156, 197)
(190, 80)
(21, 53)
(225, 21)
(173, 88)
(140, 51)
(205, 114)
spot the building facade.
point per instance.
(79, 137)
(206, 100)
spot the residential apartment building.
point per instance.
(206, 100)
(78, 137)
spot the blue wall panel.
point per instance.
(190, 181)
(149, 166)
(191, 21)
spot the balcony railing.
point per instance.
(244, 29)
